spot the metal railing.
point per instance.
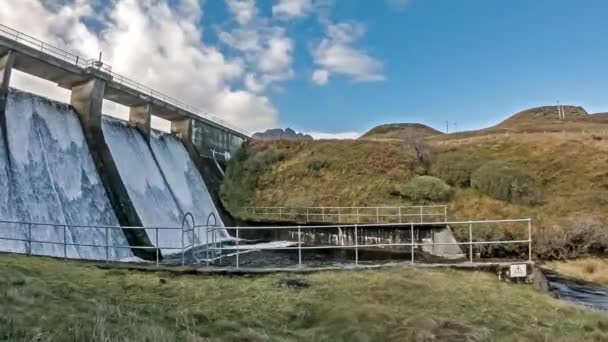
(356, 244)
(420, 214)
(85, 63)
(217, 248)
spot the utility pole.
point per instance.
(447, 127)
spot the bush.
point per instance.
(426, 188)
(455, 168)
(581, 236)
(504, 182)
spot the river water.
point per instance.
(577, 291)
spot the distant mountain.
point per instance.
(280, 134)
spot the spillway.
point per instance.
(48, 176)
(162, 183)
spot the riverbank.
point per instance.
(591, 269)
(58, 300)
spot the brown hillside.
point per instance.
(398, 130)
(544, 115)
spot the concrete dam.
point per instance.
(77, 184)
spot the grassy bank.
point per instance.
(42, 300)
(591, 269)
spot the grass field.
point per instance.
(49, 300)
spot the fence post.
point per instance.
(306, 215)
(65, 242)
(207, 243)
(471, 242)
(358, 219)
(356, 247)
(299, 247)
(529, 240)
(339, 215)
(107, 246)
(420, 214)
(377, 215)
(412, 241)
(29, 238)
(237, 247)
(323, 213)
(158, 246)
(400, 215)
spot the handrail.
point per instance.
(216, 162)
(84, 63)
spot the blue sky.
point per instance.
(472, 62)
(251, 62)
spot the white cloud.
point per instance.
(291, 8)
(338, 135)
(265, 47)
(156, 44)
(399, 5)
(338, 53)
(320, 76)
(243, 10)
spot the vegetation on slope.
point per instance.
(568, 173)
(52, 300)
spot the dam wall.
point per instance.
(48, 176)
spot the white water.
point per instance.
(163, 185)
(48, 176)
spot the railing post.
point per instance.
(421, 214)
(339, 215)
(529, 240)
(356, 247)
(281, 214)
(299, 247)
(400, 215)
(65, 243)
(237, 247)
(29, 238)
(207, 243)
(306, 215)
(358, 218)
(471, 242)
(323, 214)
(377, 215)
(445, 213)
(412, 241)
(158, 246)
(107, 246)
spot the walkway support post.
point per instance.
(471, 242)
(412, 241)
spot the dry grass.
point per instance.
(49, 300)
(591, 269)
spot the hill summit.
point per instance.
(545, 115)
(398, 130)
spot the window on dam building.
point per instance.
(207, 138)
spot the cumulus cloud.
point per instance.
(265, 47)
(291, 8)
(156, 42)
(338, 53)
(320, 76)
(338, 135)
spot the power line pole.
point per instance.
(447, 127)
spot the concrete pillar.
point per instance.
(183, 130)
(140, 116)
(6, 67)
(87, 99)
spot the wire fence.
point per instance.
(85, 63)
(386, 214)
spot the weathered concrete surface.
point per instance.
(141, 117)
(6, 67)
(207, 168)
(87, 100)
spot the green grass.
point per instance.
(50, 300)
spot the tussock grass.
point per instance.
(591, 269)
(50, 300)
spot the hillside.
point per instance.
(569, 172)
(399, 130)
(281, 134)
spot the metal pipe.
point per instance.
(29, 239)
(158, 246)
(530, 240)
(412, 241)
(237, 247)
(65, 241)
(107, 247)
